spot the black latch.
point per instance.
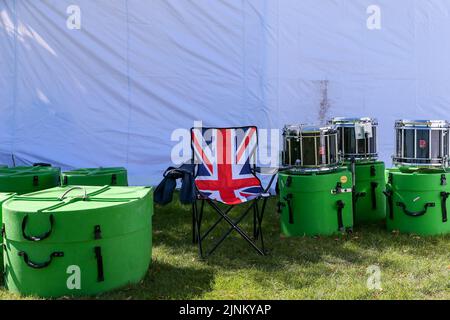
(65, 181)
(288, 181)
(443, 180)
(35, 181)
(390, 178)
(3, 230)
(97, 232)
(373, 171)
(114, 179)
(280, 206)
(338, 188)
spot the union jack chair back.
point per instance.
(226, 173)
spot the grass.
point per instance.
(412, 267)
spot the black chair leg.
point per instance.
(235, 227)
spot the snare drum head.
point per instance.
(345, 121)
(292, 129)
(422, 123)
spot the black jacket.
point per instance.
(164, 191)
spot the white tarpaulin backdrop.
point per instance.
(112, 92)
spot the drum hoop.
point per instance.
(351, 122)
(360, 156)
(321, 168)
(431, 124)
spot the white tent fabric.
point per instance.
(112, 92)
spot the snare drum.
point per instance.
(422, 143)
(310, 148)
(357, 137)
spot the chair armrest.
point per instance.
(266, 170)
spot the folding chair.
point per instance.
(225, 172)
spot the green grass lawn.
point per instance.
(412, 267)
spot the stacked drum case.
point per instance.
(358, 145)
(77, 241)
(3, 198)
(418, 189)
(315, 203)
(418, 202)
(28, 179)
(96, 177)
(315, 191)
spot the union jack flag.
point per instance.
(225, 158)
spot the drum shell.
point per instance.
(325, 152)
(366, 174)
(314, 206)
(421, 146)
(23, 180)
(352, 147)
(124, 219)
(95, 177)
(415, 190)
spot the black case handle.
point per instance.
(417, 213)
(37, 238)
(36, 265)
(340, 206)
(288, 199)
(389, 197)
(444, 196)
(374, 186)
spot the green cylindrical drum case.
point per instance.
(22, 180)
(417, 202)
(95, 177)
(3, 198)
(77, 241)
(315, 203)
(370, 182)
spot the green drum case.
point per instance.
(370, 202)
(417, 202)
(315, 203)
(28, 179)
(96, 177)
(77, 241)
(3, 198)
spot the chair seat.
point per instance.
(231, 195)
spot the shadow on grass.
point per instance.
(166, 281)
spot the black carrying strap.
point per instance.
(288, 199)
(36, 265)
(340, 206)
(40, 237)
(444, 197)
(114, 179)
(35, 181)
(98, 256)
(388, 194)
(41, 164)
(415, 213)
(373, 189)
